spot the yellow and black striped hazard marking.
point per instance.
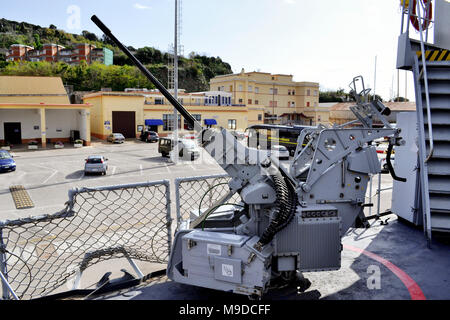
(435, 55)
(21, 198)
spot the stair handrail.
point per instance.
(425, 79)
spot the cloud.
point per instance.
(141, 6)
(289, 1)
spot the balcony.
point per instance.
(65, 53)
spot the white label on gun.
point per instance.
(214, 249)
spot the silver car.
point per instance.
(96, 164)
(116, 138)
(280, 152)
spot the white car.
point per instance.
(96, 164)
(280, 152)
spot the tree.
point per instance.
(399, 99)
(107, 40)
(37, 41)
(89, 35)
(377, 97)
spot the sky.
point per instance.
(325, 41)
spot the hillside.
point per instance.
(194, 74)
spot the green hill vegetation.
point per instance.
(195, 71)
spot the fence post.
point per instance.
(169, 214)
(177, 200)
(3, 267)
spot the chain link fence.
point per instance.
(200, 192)
(40, 254)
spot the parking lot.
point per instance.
(49, 174)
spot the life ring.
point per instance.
(428, 15)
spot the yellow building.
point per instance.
(284, 100)
(340, 113)
(128, 112)
(38, 108)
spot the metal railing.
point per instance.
(196, 193)
(378, 192)
(418, 74)
(38, 255)
(422, 20)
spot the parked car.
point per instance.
(188, 148)
(149, 136)
(116, 138)
(7, 162)
(280, 152)
(96, 164)
(384, 167)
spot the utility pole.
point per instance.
(273, 103)
(175, 57)
(375, 80)
(173, 78)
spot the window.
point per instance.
(293, 92)
(256, 90)
(260, 117)
(273, 103)
(241, 101)
(249, 101)
(218, 88)
(291, 104)
(256, 102)
(308, 92)
(250, 88)
(197, 117)
(315, 93)
(289, 92)
(315, 104)
(307, 104)
(273, 91)
(232, 124)
(240, 87)
(318, 118)
(231, 88)
(159, 100)
(168, 122)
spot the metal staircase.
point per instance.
(434, 143)
(430, 65)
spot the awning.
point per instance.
(154, 122)
(210, 122)
(295, 114)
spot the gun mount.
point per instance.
(290, 220)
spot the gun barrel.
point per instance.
(177, 105)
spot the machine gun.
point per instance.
(290, 220)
